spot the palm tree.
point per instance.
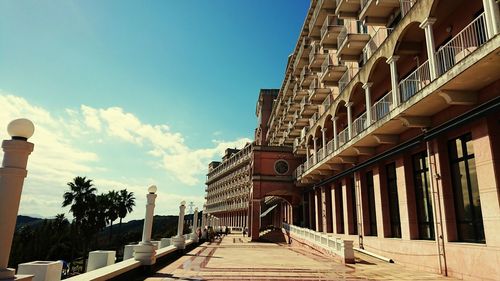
(126, 204)
(113, 208)
(81, 194)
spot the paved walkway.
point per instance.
(236, 258)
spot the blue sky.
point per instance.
(131, 93)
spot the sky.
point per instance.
(134, 93)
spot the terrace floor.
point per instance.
(236, 258)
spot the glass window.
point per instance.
(392, 190)
(371, 204)
(423, 196)
(469, 218)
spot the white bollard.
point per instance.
(42, 270)
(179, 241)
(128, 251)
(145, 251)
(99, 259)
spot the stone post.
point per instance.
(12, 174)
(368, 103)
(394, 80)
(349, 120)
(194, 235)
(179, 241)
(429, 42)
(145, 251)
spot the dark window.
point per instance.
(423, 196)
(340, 208)
(392, 190)
(465, 190)
(371, 203)
(353, 206)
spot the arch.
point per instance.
(408, 38)
(372, 71)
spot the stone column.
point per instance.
(349, 120)
(307, 155)
(12, 174)
(255, 220)
(194, 235)
(429, 43)
(317, 217)
(323, 135)
(323, 210)
(145, 251)
(394, 80)
(492, 17)
(368, 103)
(179, 241)
(335, 136)
(315, 151)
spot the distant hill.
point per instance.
(26, 220)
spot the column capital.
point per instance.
(349, 104)
(367, 85)
(335, 118)
(392, 59)
(323, 130)
(427, 22)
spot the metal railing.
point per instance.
(346, 78)
(329, 22)
(406, 6)
(414, 82)
(342, 37)
(363, 3)
(464, 43)
(382, 107)
(343, 137)
(325, 104)
(330, 147)
(315, 49)
(313, 119)
(375, 42)
(359, 124)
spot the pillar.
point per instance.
(323, 135)
(323, 210)
(335, 136)
(145, 251)
(179, 241)
(349, 120)
(307, 155)
(315, 158)
(492, 16)
(255, 219)
(12, 174)
(316, 208)
(394, 80)
(194, 235)
(368, 103)
(429, 43)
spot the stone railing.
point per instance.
(332, 245)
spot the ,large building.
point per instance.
(388, 117)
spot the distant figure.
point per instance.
(244, 231)
(211, 234)
(227, 230)
(204, 235)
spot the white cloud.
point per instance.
(59, 155)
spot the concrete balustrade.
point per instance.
(98, 259)
(41, 270)
(165, 242)
(333, 245)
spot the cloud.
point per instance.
(66, 146)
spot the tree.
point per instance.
(80, 196)
(113, 207)
(126, 204)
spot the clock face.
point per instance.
(281, 167)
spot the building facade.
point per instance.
(390, 111)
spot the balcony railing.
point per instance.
(375, 42)
(330, 22)
(406, 5)
(464, 43)
(414, 82)
(313, 119)
(363, 3)
(359, 124)
(382, 107)
(343, 137)
(330, 147)
(326, 104)
(346, 78)
(342, 37)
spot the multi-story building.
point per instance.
(392, 108)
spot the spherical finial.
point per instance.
(183, 203)
(21, 129)
(152, 189)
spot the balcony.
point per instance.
(375, 42)
(306, 77)
(418, 100)
(375, 12)
(351, 44)
(316, 56)
(306, 108)
(299, 93)
(301, 59)
(347, 9)
(406, 6)
(346, 78)
(330, 31)
(331, 72)
(316, 93)
(325, 105)
(323, 8)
